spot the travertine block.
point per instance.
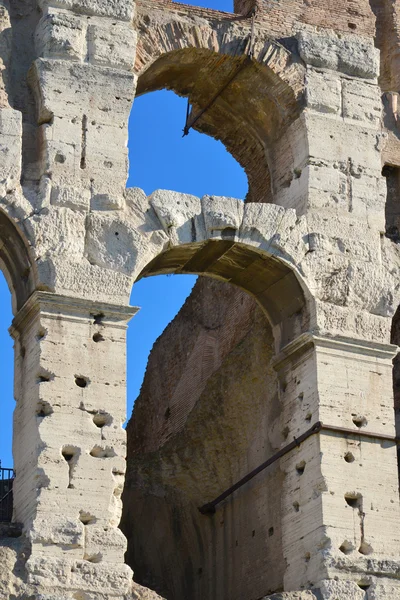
(105, 47)
(324, 93)
(61, 35)
(362, 101)
(116, 9)
(348, 54)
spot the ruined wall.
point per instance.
(207, 414)
(307, 119)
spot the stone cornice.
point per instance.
(54, 306)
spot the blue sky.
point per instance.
(159, 158)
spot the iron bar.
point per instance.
(191, 122)
(209, 507)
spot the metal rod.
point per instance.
(209, 507)
(191, 122)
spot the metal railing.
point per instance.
(6, 494)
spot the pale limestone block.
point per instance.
(70, 197)
(362, 101)
(323, 91)
(222, 215)
(102, 578)
(115, 9)
(333, 140)
(351, 322)
(10, 149)
(105, 47)
(373, 288)
(333, 590)
(48, 572)
(383, 588)
(112, 243)
(110, 545)
(5, 54)
(143, 216)
(76, 278)
(61, 35)
(260, 223)
(58, 531)
(350, 54)
(59, 232)
(72, 90)
(305, 595)
(141, 593)
(58, 158)
(180, 216)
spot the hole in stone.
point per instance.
(349, 457)
(307, 556)
(347, 547)
(359, 421)
(253, 533)
(71, 486)
(98, 337)
(86, 518)
(81, 382)
(271, 531)
(22, 352)
(93, 558)
(300, 467)
(98, 319)
(228, 233)
(44, 409)
(308, 417)
(364, 585)
(285, 432)
(100, 452)
(300, 397)
(101, 419)
(365, 549)
(296, 506)
(41, 334)
(167, 413)
(60, 158)
(68, 453)
(43, 377)
(352, 26)
(353, 499)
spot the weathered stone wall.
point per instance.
(306, 117)
(208, 413)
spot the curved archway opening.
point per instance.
(268, 279)
(160, 158)
(242, 102)
(7, 358)
(207, 414)
(15, 262)
(17, 282)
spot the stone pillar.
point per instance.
(69, 444)
(84, 89)
(340, 504)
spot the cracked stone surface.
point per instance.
(312, 117)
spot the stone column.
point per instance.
(69, 444)
(340, 503)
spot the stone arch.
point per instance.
(257, 247)
(15, 262)
(198, 61)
